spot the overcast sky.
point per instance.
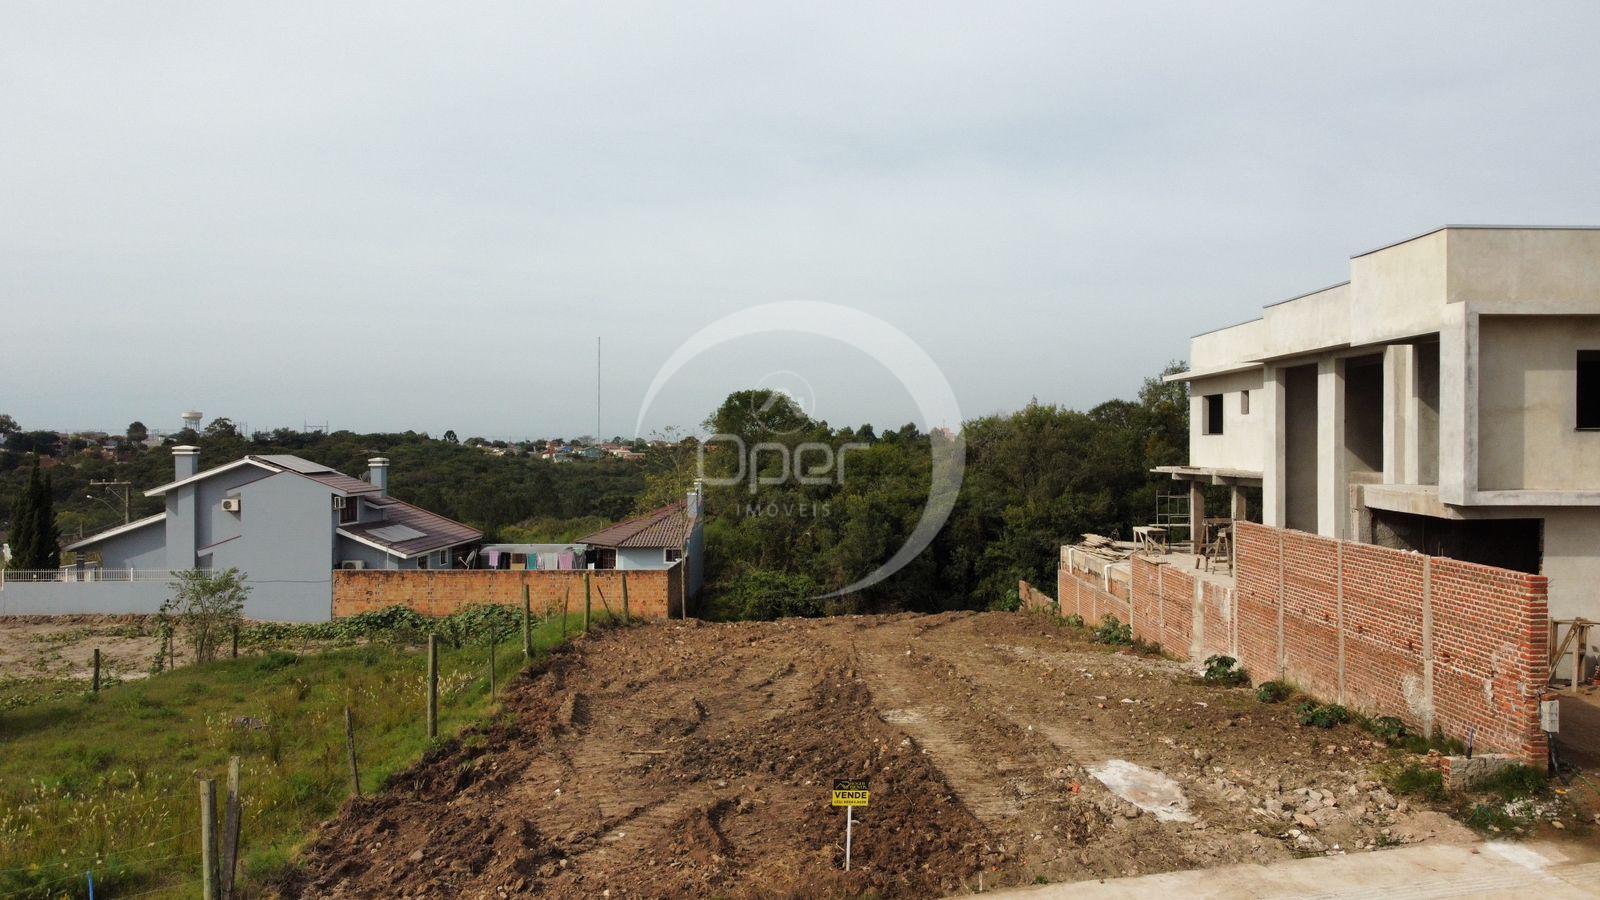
(399, 216)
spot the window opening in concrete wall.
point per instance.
(1244, 403)
(1589, 388)
(1213, 413)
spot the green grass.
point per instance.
(108, 782)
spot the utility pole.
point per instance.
(122, 490)
(598, 437)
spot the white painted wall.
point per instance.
(1242, 441)
(1527, 404)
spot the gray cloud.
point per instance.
(403, 216)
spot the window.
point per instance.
(444, 559)
(422, 561)
(1589, 389)
(1212, 423)
(347, 509)
(671, 554)
(1244, 403)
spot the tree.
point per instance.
(222, 427)
(8, 425)
(450, 437)
(35, 542)
(137, 432)
(207, 604)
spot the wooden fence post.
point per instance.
(627, 618)
(587, 603)
(527, 625)
(350, 749)
(236, 640)
(493, 638)
(433, 686)
(565, 600)
(97, 670)
(233, 815)
(208, 839)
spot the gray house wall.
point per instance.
(73, 598)
(372, 556)
(141, 548)
(288, 556)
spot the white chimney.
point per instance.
(378, 474)
(185, 461)
(692, 507)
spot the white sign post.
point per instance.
(850, 793)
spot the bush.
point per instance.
(770, 594)
(1074, 620)
(1416, 781)
(1514, 782)
(206, 604)
(1274, 691)
(1010, 601)
(1322, 715)
(1224, 670)
(1113, 632)
(1390, 729)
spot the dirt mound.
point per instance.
(680, 759)
(665, 760)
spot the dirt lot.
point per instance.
(62, 647)
(680, 759)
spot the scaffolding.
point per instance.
(1172, 515)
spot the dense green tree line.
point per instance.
(490, 492)
(777, 544)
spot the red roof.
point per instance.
(665, 527)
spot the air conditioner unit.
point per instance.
(232, 504)
(339, 502)
(353, 564)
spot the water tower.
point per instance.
(191, 419)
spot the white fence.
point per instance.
(81, 576)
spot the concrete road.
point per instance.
(1494, 869)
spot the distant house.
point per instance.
(286, 522)
(656, 540)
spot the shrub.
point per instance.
(1322, 715)
(276, 660)
(1224, 670)
(1514, 782)
(1274, 692)
(1074, 620)
(1113, 632)
(207, 604)
(1010, 601)
(1392, 730)
(1416, 781)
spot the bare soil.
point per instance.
(62, 647)
(687, 759)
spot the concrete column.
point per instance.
(1197, 516)
(1400, 414)
(1333, 499)
(1238, 507)
(1274, 473)
(1458, 405)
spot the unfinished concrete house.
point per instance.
(1445, 399)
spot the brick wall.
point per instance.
(1034, 599)
(1441, 644)
(652, 594)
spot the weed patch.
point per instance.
(1274, 691)
(1321, 715)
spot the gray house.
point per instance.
(656, 540)
(284, 521)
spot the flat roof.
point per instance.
(1477, 228)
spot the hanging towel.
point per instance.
(494, 559)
